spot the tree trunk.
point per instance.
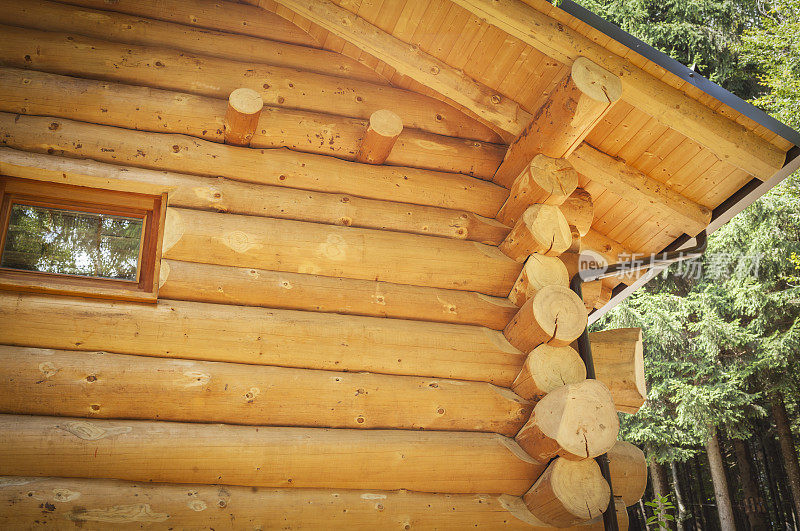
(721, 493)
(750, 495)
(676, 485)
(788, 451)
(705, 515)
(658, 479)
(776, 512)
(643, 513)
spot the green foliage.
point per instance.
(661, 507)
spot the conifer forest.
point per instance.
(721, 426)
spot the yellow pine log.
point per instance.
(555, 315)
(382, 133)
(545, 180)
(640, 189)
(598, 524)
(576, 421)
(226, 195)
(294, 291)
(277, 167)
(230, 17)
(175, 452)
(96, 504)
(619, 363)
(214, 332)
(578, 208)
(542, 229)
(119, 386)
(628, 472)
(539, 271)
(575, 106)
(241, 117)
(593, 294)
(349, 252)
(164, 111)
(108, 25)
(569, 493)
(547, 368)
(164, 68)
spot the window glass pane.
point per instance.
(73, 243)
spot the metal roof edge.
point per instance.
(686, 74)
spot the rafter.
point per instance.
(409, 60)
(730, 141)
(644, 191)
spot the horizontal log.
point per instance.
(642, 190)
(95, 503)
(118, 27)
(539, 271)
(619, 362)
(166, 111)
(175, 452)
(213, 332)
(546, 369)
(295, 291)
(276, 167)
(628, 472)
(225, 195)
(164, 68)
(118, 386)
(579, 210)
(230, 17)
(541, 229)
(555, 315)
(367, 254)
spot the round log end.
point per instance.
(580, 418)
(595, 81)
(628, 471)
(568, 493)
(539, 271)
(386, 123)
(557, 177)
(246, 101)
(548, 368)
(561, 314)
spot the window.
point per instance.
(60, 238)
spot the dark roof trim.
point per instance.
(690, 76)
(740, 200)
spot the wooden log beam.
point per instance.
(164, 68)
(672, 107)
(569, 493)
(348, 252)
(545, 180)
(93, 503)
(215, 332)
(539, 271)
(542, 229)
(241, 117)
(114, 386)
(628, 472)
(546, 369)
(555, 316)
(294, 291)
(163, 111)
(175, 452)
(225, 195)
(409, 60)
(574, 107)
(619, 363)
(576, 421)
(229, 17)
(578, 208)
(110, 26)
(634, 186)
(382, 133)
(182, 154)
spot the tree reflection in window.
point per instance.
(68, 242)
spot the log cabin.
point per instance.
(305, 264)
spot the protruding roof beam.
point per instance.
(579, 101)
(730, 141)
(634, 186)
(409, 60)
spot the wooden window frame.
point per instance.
(150, 208)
